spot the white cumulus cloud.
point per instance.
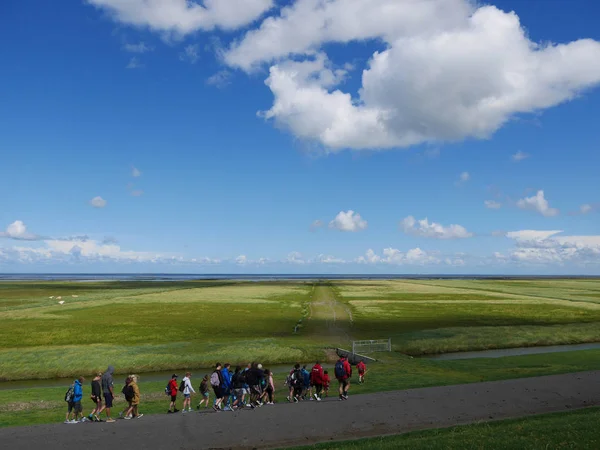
(98, 202)
(348, 221)
(423, 228)
(449, 70)
(393, 256)
(539, 204)
(549, 247)
(181, 17)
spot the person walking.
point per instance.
(326, 382)
(108, 392)
(343, 372)
(226, 387)
(188, 390)
(127, 392)
(316, 380)
(238, 380)
(306, 390)
(135, 399)
(362, 368)
(216, 381)
(270, 387)
(172, 392)
(96, 397)
(204, 392)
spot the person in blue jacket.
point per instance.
(226, 387)
(306, 377)
(77, 396)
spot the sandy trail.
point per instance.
(309, 422)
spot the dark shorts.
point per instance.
(75, 407)
(174, 398)
(108, 399)
(97, 400)
(70, 406)
(218, 391)
(344, 383)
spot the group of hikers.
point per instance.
(247, 387)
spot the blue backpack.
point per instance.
(340, 371)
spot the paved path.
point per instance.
(308, 422)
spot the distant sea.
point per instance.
(259, 277)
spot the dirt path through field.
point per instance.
(328, 317)
(287, 424)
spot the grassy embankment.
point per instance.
(570, 430)
(393, 371)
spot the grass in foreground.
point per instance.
(570, 430)
(21, 407)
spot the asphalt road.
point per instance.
(285, 425)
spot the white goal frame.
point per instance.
(373, 345)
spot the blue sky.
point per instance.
(266, 137)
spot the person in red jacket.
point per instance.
(172, 386)
(362, 368)
(343, 372)
(316, 380)
(326, 381)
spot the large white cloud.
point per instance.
(393, 256)
(18, 231)
(449, 71)
(539, 204)
(549, 247)
(423, 228)
(348, 221)
(181, 17)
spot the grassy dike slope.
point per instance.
(570, 430)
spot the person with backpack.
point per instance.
(127, 392)
(73, 398)
(226, 387)
(289, 382)
(343, 372)
(96, 397)
(188, 390)
(238, 380)
(216, 381)
(316, 380)
(108, 392)
(362, 368)
(135, 398)
(203, 392)
(296, 382)
(171, 391)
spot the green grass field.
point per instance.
(147, 326)
(571, 430)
